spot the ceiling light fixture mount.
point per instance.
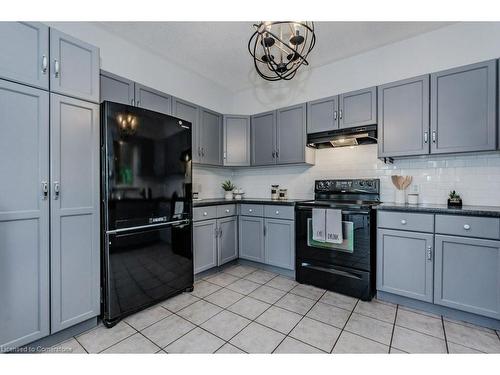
(279, 48)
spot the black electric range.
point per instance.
(347, 268)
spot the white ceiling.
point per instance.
(218, 50)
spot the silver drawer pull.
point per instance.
(250, 210)
(227, 210)
(56, 68)
(44, 64)
(466, 226)
(403, 222)
(277, 212)
(205, 213)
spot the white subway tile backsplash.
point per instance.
(475, 177)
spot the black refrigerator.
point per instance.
(146, 190)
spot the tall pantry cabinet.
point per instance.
(49, 200)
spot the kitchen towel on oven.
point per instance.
(334, 226)
(319, 224)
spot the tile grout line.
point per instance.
(79, 343)
(345, 324)
(445, 339)
(393, 328)
(119, 341)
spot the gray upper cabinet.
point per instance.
(227, 246)
(322, 115)
(210, 137)
(404, 263)
(467, 275)
(204, 245)
(403, 117)
(154, 100)
(463, 109)
(358, 108)
(74, 67)
(236, 140)
(264, 138)
(25, 53)
(280, 243)
(189, 112)
(24, 214)
(75, 227)
(251, 238)
(116, 89)
(291, 134)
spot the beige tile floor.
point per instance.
(242, 309)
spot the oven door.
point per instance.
(354, 252)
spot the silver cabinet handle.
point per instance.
(429, 252)
(203, 152)
(466, 226)
(274, 154)
(57, 190)
(138, 103)
(403, 222)
(56, 68)
(216, 232)
(205, 213)
(250, 210)
(340, 114)
(132, 102)
(426, 137)
(220, 232)
(45, 190)
(227, 210)
(265, 230)
(434, 136)
(44, 64)
(277, 153)
(225, 155)
(335, 115)
(277, 212)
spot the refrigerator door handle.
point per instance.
(159, 225)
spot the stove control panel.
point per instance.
(347, 186)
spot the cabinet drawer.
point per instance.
(204, 213)
(226, 210)
(468, 226)
(279, 212)
(252, 209)
(406, 221)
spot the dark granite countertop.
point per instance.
(217, 201)
(493, 211)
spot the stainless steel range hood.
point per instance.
(343, 137)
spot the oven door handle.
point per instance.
(332, 271)
(347, 212)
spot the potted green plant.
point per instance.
(228, 187)
(454, 199)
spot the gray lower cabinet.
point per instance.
(227, 240)
(189, 112)
(358, 108)
(236, 140)
(467, 275)
(154, 100)
(463, 108)
(279, 243)
(291, 134)
(74, 197)
(403, 118)
(263, 142)
(251, 238)
(25, 53)
(210, 137)
(74, 67)
(205, 245)
(322, 115)
(24, 214)
(116, 89)
(404, 263)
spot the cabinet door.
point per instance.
(154, 100)
(404, 263)
(280, 243)
(204, 245)
(227, 246)
(75, 229)
(403, 117)
(463, 109)
(291, 134)
(358, 108)
(116, 89)
(467, 275)
(264, 138)
(210, 137)
(322, 115)
(251, 238)
(189, 112)
(25, 53)
(74, 68)
(24, 215)
(236, 140)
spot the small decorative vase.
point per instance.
(399, 196)
(228, 195)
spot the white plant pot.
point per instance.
(399, 196)
(228, 195)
